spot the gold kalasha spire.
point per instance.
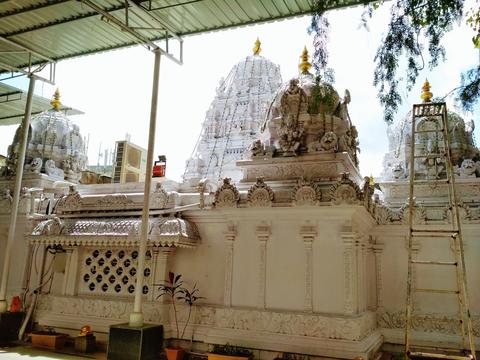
(257, 49)
(426, 94)
(304, 64)
(56, 100)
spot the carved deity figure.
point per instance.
(293, 101)
(290, 141)
(257, 148)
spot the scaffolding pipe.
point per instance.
(16, 196)
(136, 318)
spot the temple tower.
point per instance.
(233, 120)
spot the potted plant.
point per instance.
(48, 338)
(173, 289)
(229, 352)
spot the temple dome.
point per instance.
(307, 115)
(55, 145)
(463, 149)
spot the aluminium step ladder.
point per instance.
(440, 171)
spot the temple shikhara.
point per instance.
(293, 250)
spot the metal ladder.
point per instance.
(435, 114)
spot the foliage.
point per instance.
(173, 289)
(319, 27)
(416, 28)
(232, 350)
(322, 93)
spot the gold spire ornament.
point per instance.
(426, 94)
(257, 49)
(304, 64)
(56, 100)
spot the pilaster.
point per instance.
(263, 235)
(350, 265)
(378, 251)
(162, 263)
(229, 237)
(308, 233)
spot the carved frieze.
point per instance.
(345, 191)
(260, 194)
(227, 195)
(159, 198)
(306, 193)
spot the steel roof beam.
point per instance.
(26, 49)
(60, 21)
(23, 10)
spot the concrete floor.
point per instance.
(28, 352)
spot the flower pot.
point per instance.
(46, 340)
(225, 357)
(174, 353)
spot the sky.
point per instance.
(114, 88)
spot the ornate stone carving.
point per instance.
(464, 211)
(77, 308)
(114, 200)
(34, 167)
(467, 169)
(383, 215)
(49, 227)
(345, 191)
(71, 202)
(430, 323)
(52, 170)
(260, 194)
(420, 213)
(6, 199)
(306, 193)
(159, 198)
(227, 195)
(328, 142)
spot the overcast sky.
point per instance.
(114, 88)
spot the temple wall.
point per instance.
(434, 315)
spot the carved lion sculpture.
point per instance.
(257, 149)
(398, 172)
(329, 141)
(52, 170)
(35, 166)
(468, 168)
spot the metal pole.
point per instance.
(136, 318)
(16, 196)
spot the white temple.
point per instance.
(300, 256)
(234, 118)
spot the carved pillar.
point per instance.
(350, 267)
(230, 235)
(71, 272)
(378, 250)
(263, 234)
(308, 233)
(360, 274)
(162, 264)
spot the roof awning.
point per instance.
(13, 101)
(45, 31)
(163, 231)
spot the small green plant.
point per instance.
(173, 289)
(232, 350)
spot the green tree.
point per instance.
(415, 29)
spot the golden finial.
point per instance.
(304, 64)
(56, 100)
(371, 181)
(257, 49)
(426, 94)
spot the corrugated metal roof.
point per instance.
(12, 105)
(59, 29)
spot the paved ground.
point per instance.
(27, 352)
